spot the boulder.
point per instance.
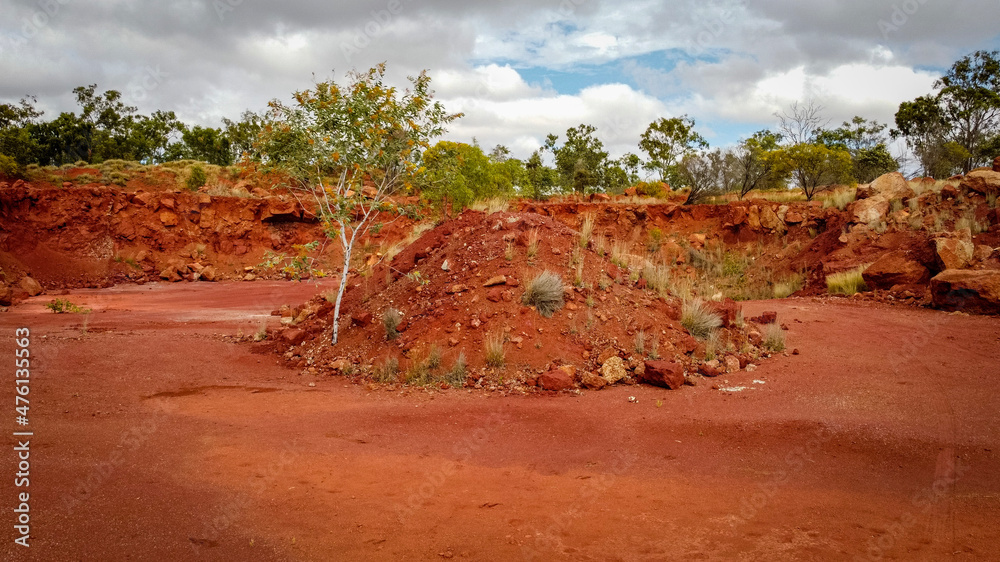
(208, 273)
(728, 310)
(893, 269)
(985, 182)
(613, 369)
(869, 210)
(732, 364)
(794, 217)
(30, 286)
(667, 374)
(6, 295)
(293, 336)
(169, 218)
(967, 290)
(996, 164)
(770, 221)
(768, 317)
(556, 380)
(361, 318)
(276, 209)
(494, 281)
(891, 186)
(954, 253)
(593, 381)
(711, 368)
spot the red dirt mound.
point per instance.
(462, 283)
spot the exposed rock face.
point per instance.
(894, 269)
(6, 295)
(983, 182)
(875, 206)
(954, 253)
(967, 291)
(663, 373)
(728, 310)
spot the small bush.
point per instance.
(459, 370)
(434, 357)
(586, 231)
(62, 306)
(391, 319)
(698, 319)
(8, 166)
(784, 289)
(196, 179)
(657, 278)
(654, 240)
(840, 199)
(388, 372)
(640, 342)
(651, 189)
(774, 338)
(493, 347)
(545, 293)
(846, 282)
(532, 243)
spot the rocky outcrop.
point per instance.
(895, 268)
(954, 251)
(874, 201)
(983, 182)
(967, 291)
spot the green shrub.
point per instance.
(197, 178)
(698, 319)
(846, 282)
(8, 166)
(62, 306)
(784, 289)
(651, 189)
(545, 293)
(391, 319)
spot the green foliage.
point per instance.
(784, 289)
(196, 178)
(581, 160)
(698, 319)
(545, 293)
(458, 174)
(296, 267)
(656, 189)
(367, 136)
(707, 174)
(815, 167)
(666, 142)
(62, 306)
(539, 180)
(8, 166)
(458, 372)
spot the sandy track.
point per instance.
(155, 440)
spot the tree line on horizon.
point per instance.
(952, 130)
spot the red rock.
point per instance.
(170, 274)
(458, 288)
(6, 295)
(30, 286)
(494, 281)
(711, 368)
(293, 336)
(208, 273)
(600, 197)
(593, 381)
(169, 218)
(893, 269)
(361, 318)
(967, 290)
(495, 294)
(728, 310)
(556, 380)
(794, 217)
(403, 325)
(687, 344)
(769, 317)
(667, 374)
(985, 182)
(949, 192)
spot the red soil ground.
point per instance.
(158, 439)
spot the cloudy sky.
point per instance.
(518, 69)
